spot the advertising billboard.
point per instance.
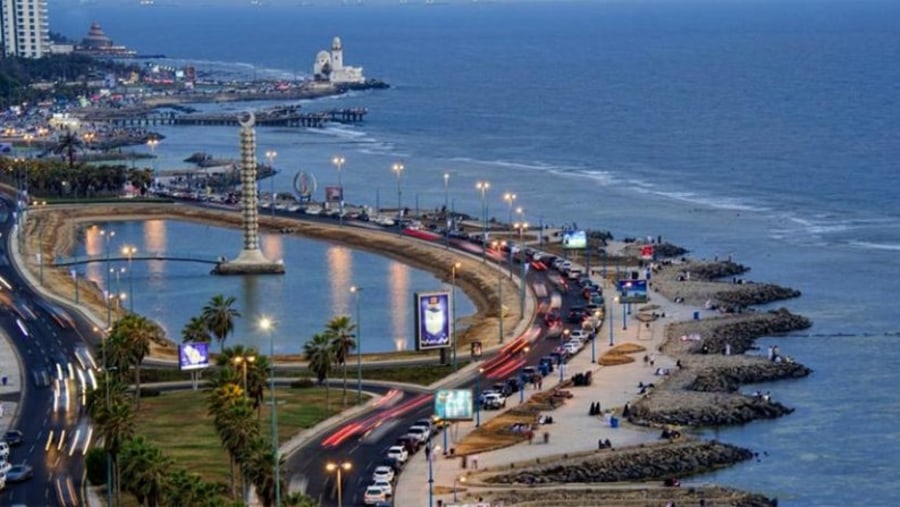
(574, 240)
(334, 194)
(193, 356)
(454, 404)
(633, 291)
(434, 324)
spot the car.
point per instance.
(4, 450)
(576, 314)
(14, 437)
(579, 334)
(395, 464)
(571, 348)
(84, 357)
(409, 442)
(5, 467)
(494, 401)
(423, 432)
(384, 472)
(384, 485)
(374, 495)
(398, 452)
(428, 422)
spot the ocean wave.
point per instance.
(224, 70)
(870, 245)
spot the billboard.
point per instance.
(574, 240)
(633, 291)
(434, 324)
(454, 404)
(193, 356)
(334, 194)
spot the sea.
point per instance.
(765, 131)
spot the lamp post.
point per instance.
(509, 197)
(447, 216)
(430, 457)
(338, 467)
(611, 309)
(153, 143)
(478, 398)
(242, 361)
(483, 186)
(461, 479)
(398, 170)
(268, 326)
(594, 338)
(108, 235)
(338, 161)
(130, 250)
(356, 293)
(456, 265)
(270, 156)
(495, 246)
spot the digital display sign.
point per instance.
(633, 291)
(193, 356)
(454, 404)
(574, 240)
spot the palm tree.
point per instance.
(138, 332)
(116, 426)
(221, 402)
(219, 316)
(195, 331)
(259, 469)
(319, 355)
(144, 471)
(340, 332)
(237, 428)
(257, 371)
(68, 143)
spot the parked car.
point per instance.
(14, 437)
(579, 334)
(409, 442)
(4, 450)
(422, 432)
(384, 472)
(398, 452)
(5, 467)
(384, 485)
(374, 495)
(494, 401)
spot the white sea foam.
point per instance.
(869, 245)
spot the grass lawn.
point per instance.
(177, 422)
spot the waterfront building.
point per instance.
(97, 43)
(330, 66)
(25, 28)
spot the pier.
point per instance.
(289, 116)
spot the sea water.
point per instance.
(765, 131)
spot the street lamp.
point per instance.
(268, 326)
(430, 457)
(130, 250)
(509, 197)
(483, 186)
(356, 291)
(270, 156)
(338, 162)
(611, 309)
(398, 170)
(477, 398)
(242, 361)
(594, 338)
(460, 479)
(447, 217)
(108, 235)
(338, 467)
(153, 143)
(456, 265)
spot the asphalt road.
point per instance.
(51, 414)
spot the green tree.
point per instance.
(340, 333)
(233, 358)
(196, 331)
(137, 333)
(115, 423)
(319, 354)
(69, 143)
(232, 418)
(259, 468)
(144, 471)
(219, 315)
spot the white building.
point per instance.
(330, 66)
(25, 28)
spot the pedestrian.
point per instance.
(540, 383)
(530, 436)
(475, 462)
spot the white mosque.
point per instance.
(330, 66)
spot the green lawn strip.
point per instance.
(178, 424)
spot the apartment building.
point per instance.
(25, 28)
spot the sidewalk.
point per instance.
(573, 430)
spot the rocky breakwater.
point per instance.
(713, 352)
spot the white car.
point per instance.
(571, 348)
(420, 432)
(383, 473)
(384, 485)
(374, 495)
(4, 451)
(579, 334)
(398, 452)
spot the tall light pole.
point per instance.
(338, 162)
(338, 467)
(612, 341)
(430, 458)
(130, 250)
(356, 292)
(108, 235)
(447, 217)
(268, 326)
(477, 398)
(398, 170)
(242, 361)
(459, 479)
(153, 143)
(522, 226)
(483, 186)
(270, 156)
(510, 198)
(456, 265)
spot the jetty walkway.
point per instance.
(286, 116)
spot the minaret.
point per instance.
(251, 259)
(337, 55)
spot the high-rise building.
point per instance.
(25, 28)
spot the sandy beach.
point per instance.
(687, 338)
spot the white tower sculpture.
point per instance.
(337, 55)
